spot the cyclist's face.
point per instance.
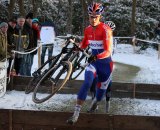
(94, 19)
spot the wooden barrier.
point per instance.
(121, 90)
(43, 120)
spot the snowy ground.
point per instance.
(149, 66)
(65, 102)
(147, 61)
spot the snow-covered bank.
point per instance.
(65, 102)
(147, 61)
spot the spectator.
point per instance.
(34, 39)
(27, 58)
(21, 42)
(3, 41)
(47, 36)
(33, 36)
(11, 28)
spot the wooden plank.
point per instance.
(43, 120)
(123, 90)
(54, 118)
(136, 122)
(4, 120)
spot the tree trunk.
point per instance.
(133, 17)
(34, 5)
(10, 8)
(21, 7)
(69, 23)
(85, 15)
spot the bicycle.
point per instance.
(55, 77)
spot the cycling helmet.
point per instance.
(35, 20)
(111, 25)
(95, 9)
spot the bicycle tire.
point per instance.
(37, 74)
(32, 84)
(54, 87)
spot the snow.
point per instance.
(148, 63)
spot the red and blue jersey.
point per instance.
(100, 40)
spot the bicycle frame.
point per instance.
(71, 54)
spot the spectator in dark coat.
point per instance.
(33, 37)
(11, 28)
(21, 42)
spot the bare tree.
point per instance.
(11, 8)
(21, 7)
(133, 17)
(69, 20)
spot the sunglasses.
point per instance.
(93, 17)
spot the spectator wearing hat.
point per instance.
(27, 58)
(11, 28)
(21, 42)
(34, 37)
(3, 41)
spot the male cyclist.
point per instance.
(98, 36)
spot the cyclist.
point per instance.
(99, 37)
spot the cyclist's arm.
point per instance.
(84, 42)
(107, 43)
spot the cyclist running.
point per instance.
(99, 37)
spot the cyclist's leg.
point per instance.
(108, 92)
(108, 96)
(93, 87)
(90, 74)
(104, 79)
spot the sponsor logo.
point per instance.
(96, 45)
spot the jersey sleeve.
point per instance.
(84, 42)
(107, 43)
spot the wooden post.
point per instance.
(134, 43)
(159, 51)
(133, 17)
(10, 120)
(134, 90)
(39, 56)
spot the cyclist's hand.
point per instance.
(92, 58)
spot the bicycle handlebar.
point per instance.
(86, 54)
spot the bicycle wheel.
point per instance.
(52, 82)
(32, 84)
(39, 73)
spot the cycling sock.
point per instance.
(77, 110)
